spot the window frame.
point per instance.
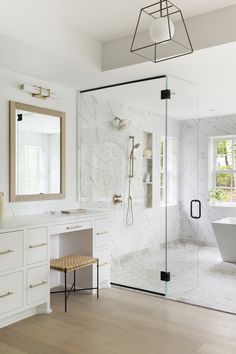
(231, 171)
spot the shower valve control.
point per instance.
(117, 199)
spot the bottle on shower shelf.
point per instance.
(147, 177)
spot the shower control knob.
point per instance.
(117, 199)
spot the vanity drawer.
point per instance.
(101, 233)
(74, 226)
(11, 292)
(11, 250)
(36, 245)
(37, 284)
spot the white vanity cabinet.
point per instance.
(71, 227)
(37, 284)
(36, 245)
(20, 250)
(11, 250)
(37, 267)
(25, 246)
(11, 292)
(102, 249)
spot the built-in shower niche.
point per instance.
(147, 169)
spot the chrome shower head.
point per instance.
(120, 123)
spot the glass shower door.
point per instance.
(138, 251)
(183, 207)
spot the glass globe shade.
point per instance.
(159, 30)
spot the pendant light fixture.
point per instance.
(161, 33)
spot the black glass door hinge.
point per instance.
(166, 94)
(165, 276)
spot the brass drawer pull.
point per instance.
(39, 284)
(39, 245)
(5, 295)
(6, 252)
(102, 233)
(73, 227)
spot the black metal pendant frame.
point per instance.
(163, 8)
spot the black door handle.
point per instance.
(199, 209)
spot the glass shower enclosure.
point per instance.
(183, 204)
(140, 125)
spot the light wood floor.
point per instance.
(121, 322)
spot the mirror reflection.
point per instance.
(37, 153)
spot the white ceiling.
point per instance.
(104, 20)
(111, 19)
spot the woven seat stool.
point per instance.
(72, 263)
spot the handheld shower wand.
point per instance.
(132, 158)
(129, 214)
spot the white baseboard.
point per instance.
(17, 317)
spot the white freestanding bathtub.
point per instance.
(225, 232)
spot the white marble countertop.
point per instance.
(49, 219)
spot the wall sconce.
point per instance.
(37, 91)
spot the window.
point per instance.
(224, 175)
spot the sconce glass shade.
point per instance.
(161, 33)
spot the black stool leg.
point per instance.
(65, 291)
(74, 280)
(97, 278)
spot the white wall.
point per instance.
(9, 90)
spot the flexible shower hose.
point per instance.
(130, 214)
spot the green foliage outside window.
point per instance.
(224, 149)
(224, 152)
(223, 180)
(225, 171)
(218, 195)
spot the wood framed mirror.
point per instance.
(37, 153)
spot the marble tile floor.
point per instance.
(198, 275)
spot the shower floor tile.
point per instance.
(198, 276)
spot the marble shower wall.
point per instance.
(104, 153)
(190, 130)
(188, 177)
